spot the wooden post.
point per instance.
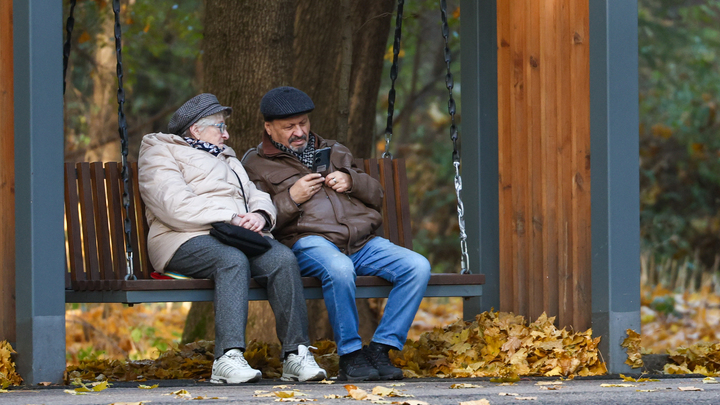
(7, 177)
(544, 159)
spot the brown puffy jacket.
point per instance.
(348, 220)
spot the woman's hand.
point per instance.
(252, 221)
(339, 181)
(306, 187)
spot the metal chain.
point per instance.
(393, 76)
(122, 129)
(66, 48)
(465, 258)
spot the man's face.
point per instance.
(290, 132)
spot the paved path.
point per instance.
(431, 391)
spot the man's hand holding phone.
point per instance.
(306, 187)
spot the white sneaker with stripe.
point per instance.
(302, 366)
(232, 368)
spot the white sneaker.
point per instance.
(232, 368)
(302, 366)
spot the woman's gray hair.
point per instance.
(205, 122)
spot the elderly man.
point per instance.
(329, 221)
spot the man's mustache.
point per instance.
(297, 138)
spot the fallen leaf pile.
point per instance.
(193, 360)
(700, 358)
(632, 346)
(501, 344)
(8, 376)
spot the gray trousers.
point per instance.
(276, 270)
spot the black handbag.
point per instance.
(249, 242)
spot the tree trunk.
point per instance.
(102, 124)
(317, 51)
(247, 51)
(252, 47)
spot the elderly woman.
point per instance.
(190, 179)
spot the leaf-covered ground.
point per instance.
(496, 344)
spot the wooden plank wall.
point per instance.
(7, 177)
(544, 159)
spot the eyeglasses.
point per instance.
(221, 126)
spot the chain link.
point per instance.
(393, 76)
(449, 83)
(66, 48)
(122, 129)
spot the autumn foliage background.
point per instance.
(679, 164)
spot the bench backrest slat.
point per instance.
(389, 212)
(402, 204)
(102, 229)
(72, 219)
(140, 224)
(87, 208)
(95, 218)
(112, 184)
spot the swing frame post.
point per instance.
(478, 58)
(615, 177)
(39, 236)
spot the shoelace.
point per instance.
(360, 360)
(308, 358)
(238, 357)
(380, 358)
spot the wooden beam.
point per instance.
(7, 177)
(544, 150)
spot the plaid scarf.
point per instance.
(206, 146)
(307, 156)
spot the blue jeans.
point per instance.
(408, 271)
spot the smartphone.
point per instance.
(321, 162)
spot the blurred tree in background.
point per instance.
(161, 49)
(679, 49)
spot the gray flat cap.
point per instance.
(200, 106)
(284, 102)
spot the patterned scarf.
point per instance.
(307, 156)
(206, 146)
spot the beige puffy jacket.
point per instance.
(186, 189)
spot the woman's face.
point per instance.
(215, 133)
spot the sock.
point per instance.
(295, 352)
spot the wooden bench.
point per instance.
(96, 249)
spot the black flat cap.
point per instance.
(197, 107)
(284, 102)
